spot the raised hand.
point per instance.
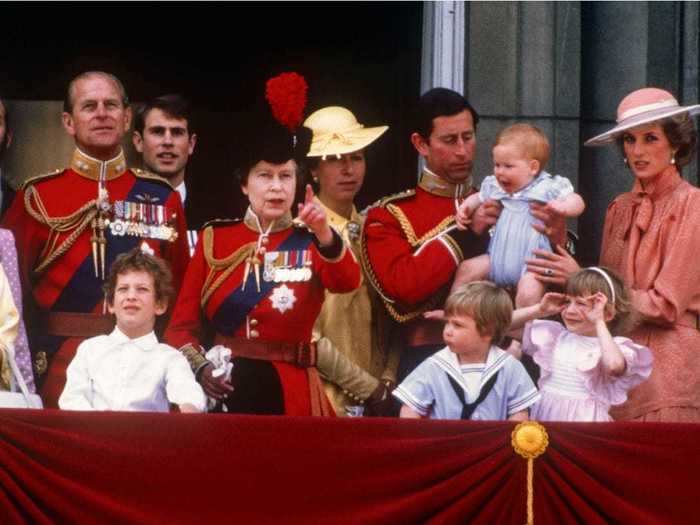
(315, 218)
(597, 303)
(552, 303)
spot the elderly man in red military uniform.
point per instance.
(411, 246)
(71, 224)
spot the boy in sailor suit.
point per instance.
(471, 378)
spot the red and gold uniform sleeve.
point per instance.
(413, 273)
(336, 266)
(185, 325)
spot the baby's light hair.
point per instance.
(531, 140)
(489, 306)
(590, 281)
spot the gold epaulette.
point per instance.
(145, 174)
(381, 203)
(35, 178)
(224, 265)
(220, 222)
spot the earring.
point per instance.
(316, 180)
(625, 161)
(673, 159)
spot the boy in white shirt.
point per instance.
(129, 369)
(470, 378)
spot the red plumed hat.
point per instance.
(286, 94)
(277, 135)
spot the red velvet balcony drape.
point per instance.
(67, 467)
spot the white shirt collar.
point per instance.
(182, 190)
(145, 342)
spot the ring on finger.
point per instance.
(549, 271)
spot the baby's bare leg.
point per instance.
(474, 269)
(530, 291)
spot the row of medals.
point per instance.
(286, 273)
(141, 220)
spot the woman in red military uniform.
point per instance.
(259, 283)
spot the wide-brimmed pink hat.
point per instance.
(642, 107)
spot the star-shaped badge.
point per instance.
(283, 298)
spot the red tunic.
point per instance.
(69, 283)
(283, 311)
(411, 249)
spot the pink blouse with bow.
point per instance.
(652, 238)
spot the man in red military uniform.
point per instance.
(411, 246)
(70, 225)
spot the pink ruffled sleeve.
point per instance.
(539, 340)
(613, 389)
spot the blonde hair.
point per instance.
(588, 282)
(486, 303)
(531, 140)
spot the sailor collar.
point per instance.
(449, 362)
(95, 169)
(251, 220)
(436, 185)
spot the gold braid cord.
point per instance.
(77, 221)
(411, 233)
(225, 265)
(415, 242)
(530, 440)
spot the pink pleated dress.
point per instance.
(573, 385)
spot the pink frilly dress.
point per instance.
(572, 383)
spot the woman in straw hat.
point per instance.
(650, 238)
(354, 323)
(259, 282)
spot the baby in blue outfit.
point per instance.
(519, 155)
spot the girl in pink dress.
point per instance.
(584, 368)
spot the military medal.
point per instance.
(282, 267)
(269, 266)
(142, 219)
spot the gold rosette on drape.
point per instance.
(530, 440)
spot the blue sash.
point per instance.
(239, 303)
(84, 291)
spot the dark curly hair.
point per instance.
(137, 261)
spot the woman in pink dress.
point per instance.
(651, 238)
